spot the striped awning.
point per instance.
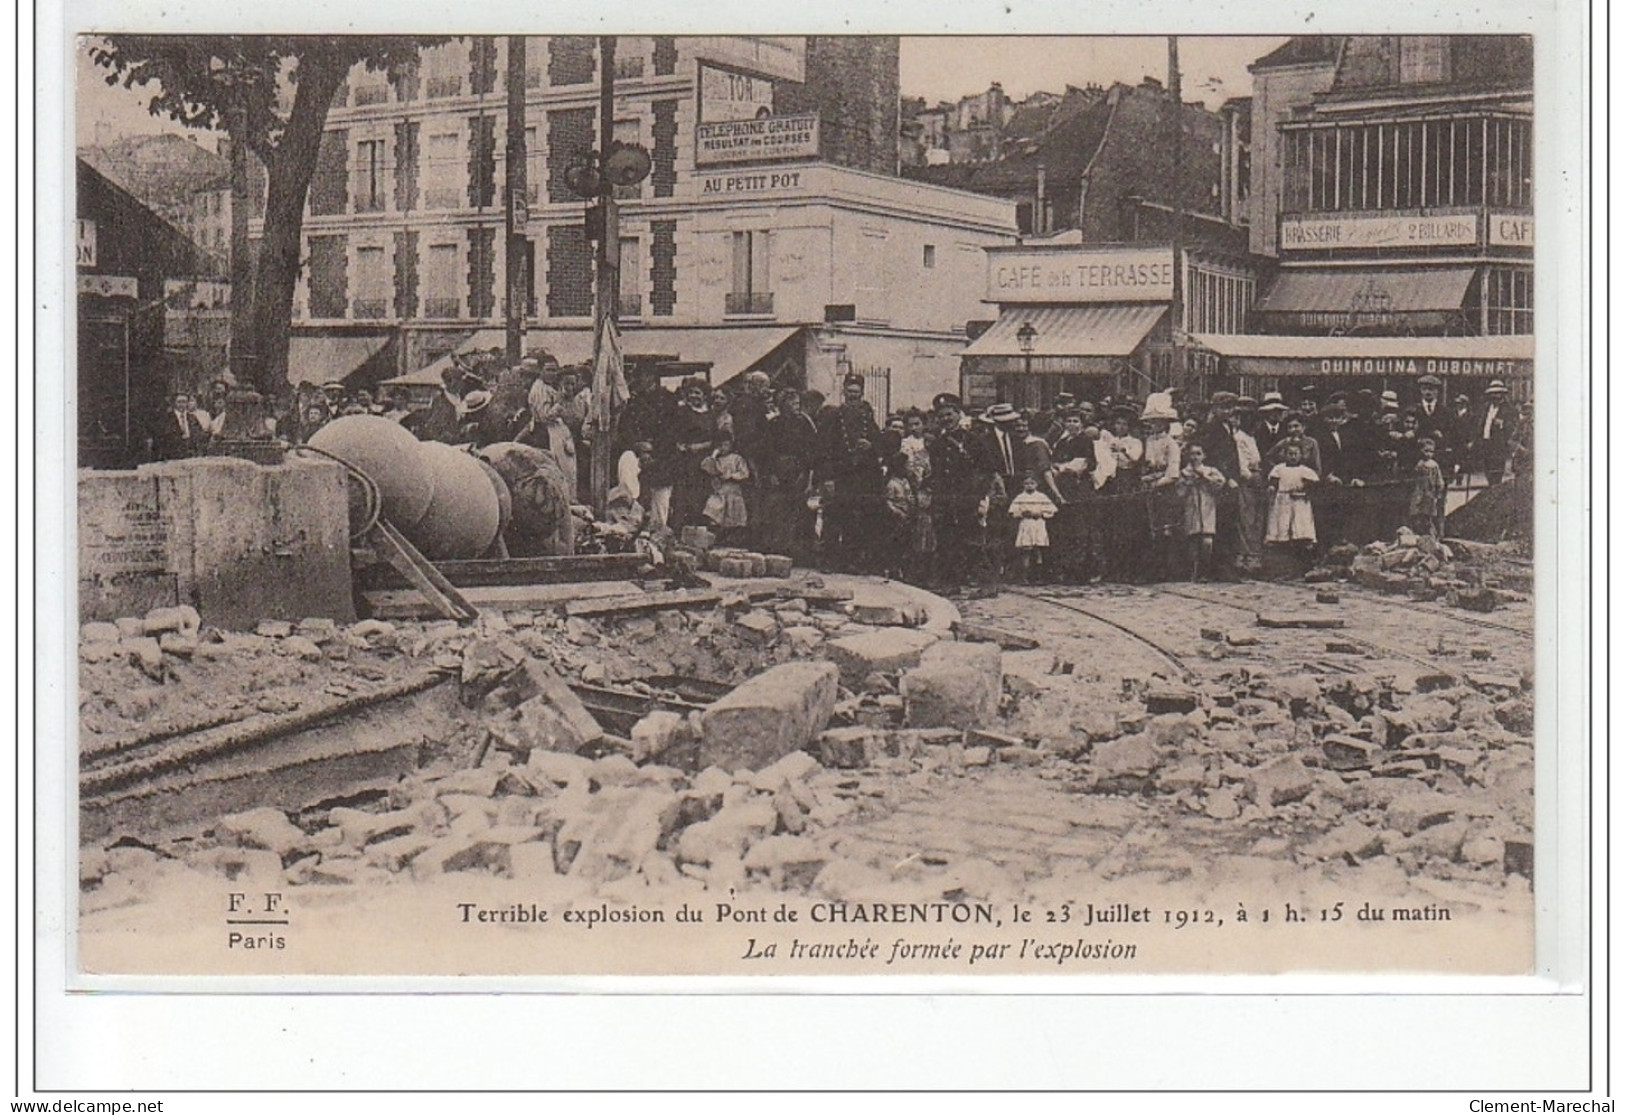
(1070, 331)
(1367, 291)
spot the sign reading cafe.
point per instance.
(1080, 275)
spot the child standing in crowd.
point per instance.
(725, 509)
(1427, 496)
(1030, 509)
(1199, 487)
(1292, 520)
(912, 538)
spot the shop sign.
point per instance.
(108, 286)
(1412, 366)
(762, 182)
(725, 95)
(1134, 275)
(1368, 233)
(1508, 230)
(758, 140)
(85, 244)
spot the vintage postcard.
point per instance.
(818, 505)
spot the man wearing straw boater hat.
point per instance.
(1161, 464)
(1492, 434)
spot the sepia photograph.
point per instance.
(860, 505)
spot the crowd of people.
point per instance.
(1115, 488)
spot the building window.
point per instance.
(328, 277)
(631, 292)
(372, 283)
(444, 172)
(535, 61)
(1509, 300)
(751, 293)
(443, 69)
(369, 170)
(533, 164)
(1425, 164)
(442, 285)
(930, 259)
(373, 88)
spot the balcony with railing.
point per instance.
(748, 302)
(370, 309)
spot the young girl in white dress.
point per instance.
(1292, 520)
(1030, 509)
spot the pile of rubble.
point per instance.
(1430, 770)
(1421, 567)
(823, 711)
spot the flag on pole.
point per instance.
(608, 375)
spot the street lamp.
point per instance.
(1025, 337)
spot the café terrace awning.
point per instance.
(1355, 291)
(1498, 357)
(1068, 340)
(322, 360)
(729, 351)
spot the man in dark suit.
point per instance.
(1433, 419)
(1217, 438)
(1492, 434)
(183, 431)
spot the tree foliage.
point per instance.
(242, 84)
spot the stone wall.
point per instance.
(240, 542)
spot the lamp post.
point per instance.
(1026, 337)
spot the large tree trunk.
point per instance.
(289, 171)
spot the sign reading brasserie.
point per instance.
(766, 137)
(1131, 275)
(1320, 233)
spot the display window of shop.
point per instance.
(1508, 295)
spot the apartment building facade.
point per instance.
(771, 232)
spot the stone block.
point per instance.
(1349, 752)
(887, 651)
(99, 632)
(146, 654)
(1280, 781)
(264, 827)
(1126, 757)
(1222, 805)
(778, 565)
(849, 748)
(1166, 699)
(181, 618)
(955, 685)
(1418, 810)
(1349, 839)
(178, 643)
(655, 734)
(552, 718)
(758, 626)
(769, 716)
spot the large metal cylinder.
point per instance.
(388, 453)
(464, 512)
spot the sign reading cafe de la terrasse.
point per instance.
(1080, 275)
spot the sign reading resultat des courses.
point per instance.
(767, 137)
